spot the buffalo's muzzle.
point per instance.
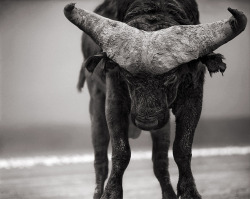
(150, 122)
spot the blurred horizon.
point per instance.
(25, 140)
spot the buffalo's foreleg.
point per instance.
(100, 139)
(187, 110)
(117, 112)
(161, 141)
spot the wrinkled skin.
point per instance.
(116, 95)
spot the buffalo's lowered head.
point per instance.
(151, 96)
(153, 54)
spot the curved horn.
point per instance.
(119, 40)
(177, 45)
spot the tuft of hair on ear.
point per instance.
(109, 64)
(81, 79)
(214, 63)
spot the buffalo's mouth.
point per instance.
(150, 123)
(147, 124)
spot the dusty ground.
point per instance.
(217, 178)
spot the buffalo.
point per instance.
(143, 59)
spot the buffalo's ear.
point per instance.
(90, 64)
(93, 61)
(214, 63)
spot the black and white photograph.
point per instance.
(124, 99)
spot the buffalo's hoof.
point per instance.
(169, 195)
(97, 196)
(190, 195)
(112, 192)
(186, 189)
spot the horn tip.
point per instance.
(69, 7)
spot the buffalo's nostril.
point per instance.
(146, 118)
(150, 117)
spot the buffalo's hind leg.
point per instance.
(100, 139)
(187, 110)
(161, 141)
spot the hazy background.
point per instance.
(40, 57)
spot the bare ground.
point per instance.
(226, 177)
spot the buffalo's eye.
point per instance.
(125, 73)
(170, 80)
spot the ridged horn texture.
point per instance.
(159, 51)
